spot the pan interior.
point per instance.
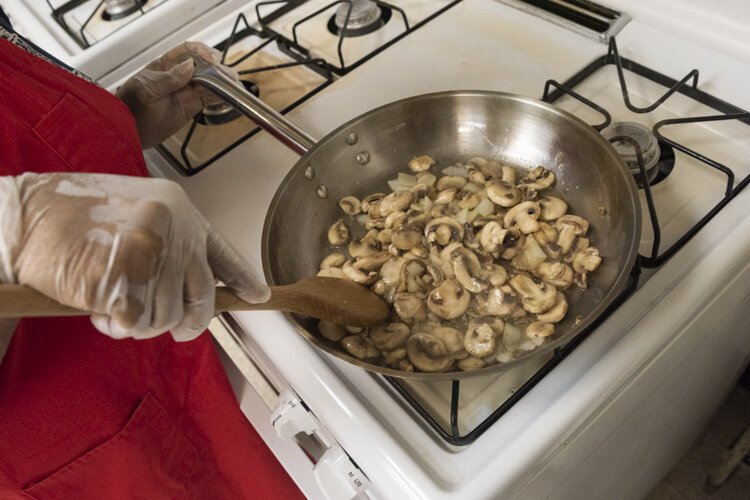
(450, 127)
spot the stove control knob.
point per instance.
(292, 417)
(337, 476)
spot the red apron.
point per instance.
(86, 416)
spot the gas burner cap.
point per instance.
(366, 16)
(117, 9)
(218, 114)
(647, 141)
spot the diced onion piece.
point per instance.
(402, 182)
(460, 171)
(512, 336)
(462, 215)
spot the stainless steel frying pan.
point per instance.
(450, 127)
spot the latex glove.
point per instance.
(161, 97)
(133, 250)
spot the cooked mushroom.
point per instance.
(467, 199)
(364, 247)
(372, 262)
(405, 366)
(444, 197)
(428, 354)
(444, 230)
(480, 340)
(338, 234)
(512, 244)
(468, 271)
(335, 259)
(538, 178)
(552, 207)
(495, 302)
(369, 201)
(421, 163)
(570, 226)
(331, 331)
(409, 307)
(555, 273)
(496, 274)
(406, 237)
(503, 194)
(547, 239)
(470, 363)
(539, 329)
(357, 275)
(523, 216)
(450, 182)
(395, 219)
(452, 338)
(389, 336)
(449, 300)
(536, 298)
(557, 312)
(395, 202)
(359, 348)
(394, 357)
(587, 259)
(350, 205)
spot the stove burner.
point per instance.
(366, 16)
(218, 114)
(117, 9)
(650, 149)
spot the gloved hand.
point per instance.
(133, 250)
(161, 97)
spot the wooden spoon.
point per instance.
(341, 301)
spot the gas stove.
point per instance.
(99, 36)
(612, 411)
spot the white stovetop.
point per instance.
(479, 44)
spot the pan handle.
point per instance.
(214, 78)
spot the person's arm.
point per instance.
(134, 251)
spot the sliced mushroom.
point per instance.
(449, 300)
(406, 237)
(570, 226)
(492, 236)
(428, 354)
(331, 331)
(539, 329)
(421, 163)
(397, 201)
(587, 259)
(409, 307)
(395, 220)
(444, 230)
(556, 313)
(364, 247)
(495, 302)
(338, 234)
(555, 273)
(480, 340)
(496, 274)
(389, 336)
(335, 259)
(450, 182)
(509, 175)
(467, 199)
(523, 216)
(369, 201)
(394, 357)
(452, 338)
(358, 276)
(372, 262)
(536, 298)
(470, 363)
(538, 178)
(350, 205)
(359, 348)
(547, 239)
(468, 271)
(512, 244)
(503, 194)
(445, 197)
(405, 366)
(552, 207)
